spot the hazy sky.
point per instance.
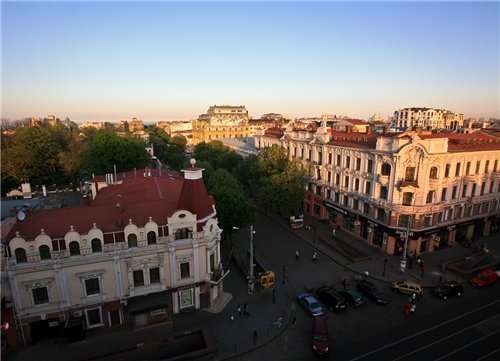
(162, 61)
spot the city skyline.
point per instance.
(170, 61)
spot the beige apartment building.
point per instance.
(181, 128)
(427, 118)
(144, 246)
(443, 186)
(221, 121)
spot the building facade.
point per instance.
(146, 246)
(443, 187)
(427, 118)
(181, 128)
(221, 121)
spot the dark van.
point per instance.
(320, 335)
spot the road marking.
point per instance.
(488, 354)
(467, 345)
(360, 357)
(444, 338)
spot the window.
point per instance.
(369, 167)
(430, 197)
(478, 166)
(366, 208)
(358, 163)
(464, 191)
(467, 168)
(337, 197)
(368, 188)
(356, 184)
(447, 171)
(212, 262)
(20, 255)
(328, 194)
(495, 165)
(443, 194)
(186, 298)
(433, 173)
(454, 192)
(320, 158)
(132, 240)
(337, 179)
(92, 286)
(318, 190)
(383, 192)
(473, 191)
(74, 248)
(138, 278)
(40, 295)
(185, 270)
(410, 174)
(310, 154)
(486, 166)
(346, 181)
(44, 251)
(386, 169)
(346, 201)
(302, 153)
(407, 198)
(96, 245)
(151, 237)
(329, 158)
(339, 160)
(492, 186)
(355, 204)
(483, 187)
(457, 170)
(154, 275)
(348, 162)
(381, 214)
(428, 220)
(329, 177)
(94, 317)
(405, 220)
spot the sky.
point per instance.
(171, 61)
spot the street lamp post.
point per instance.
(251, 280)
(405, 247)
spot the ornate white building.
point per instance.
(427, 118)
(221, 121)
(444, 185)
(146, 246)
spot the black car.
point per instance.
(370, 290)
(353, 298)
(331, 298)
(447, 289)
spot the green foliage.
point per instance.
(169, 151)
(107, 149)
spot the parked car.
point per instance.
(332, 299)
(353, 298)
(485, 278)
(320, 339)
(447, 289)
(370, 290)
(408, 288)
(310, 304)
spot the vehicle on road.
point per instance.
(354, 299)
(485, 278)
(297, 222)
(447, 289)
(408, 288)
(332, 299)
(320, 339)
(372, 292)
(310, 304)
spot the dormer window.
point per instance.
(183, 233)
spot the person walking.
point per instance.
(334, 231)
(255, 337)
(344, 283)
(297, 255)
(245, 310)
(315, 256)
(422, 269)
(294, 321)
(239, 310)
(410, 261)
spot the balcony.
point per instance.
(408, 183)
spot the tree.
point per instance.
(107, 149)
(168, 150)
(233, 207)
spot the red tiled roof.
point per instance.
(472, 142)
(353, 139)
(356, 121)
(137, 198)
(274, 132)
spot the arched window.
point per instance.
(74, 248)
(20, 255)
(410, 174)
(96, 245)
(386, 169)
(132, 240)
(434, 173)
(430, 197)
(44, 251)
(151, 237)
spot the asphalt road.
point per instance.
(462, 328)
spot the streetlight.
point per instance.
(405, 248)
(251, 280)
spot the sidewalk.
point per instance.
(375, 257)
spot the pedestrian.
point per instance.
(407, 308)
(239, 310)
(315, 257)
(410, 261)
(419, 260)
(232, 318)
(294, 321)
(297, 255)
(422, 269)
(245, 310)
(333, 233)
(344, 283)
(274, 296)
(255, 337)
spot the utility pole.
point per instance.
(405, 248)
(251, 283)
